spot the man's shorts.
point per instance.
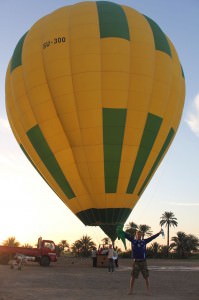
(140, 266)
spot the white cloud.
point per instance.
(193, 116)
(185, 203)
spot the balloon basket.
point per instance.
(102, 261)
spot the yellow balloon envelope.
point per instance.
(94, 96)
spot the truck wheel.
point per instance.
(44, 261)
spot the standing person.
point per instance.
(115, 257)
(94, 257)
(110, 259)
(139, 256)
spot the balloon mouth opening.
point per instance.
(104, 216)
(107, 219)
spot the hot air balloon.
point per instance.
(94, 97)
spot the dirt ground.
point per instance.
(73, 278)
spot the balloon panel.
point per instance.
(94, 96)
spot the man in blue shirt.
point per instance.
(139, 255)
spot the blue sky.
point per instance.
(30, 209)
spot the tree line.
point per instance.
(182, 245)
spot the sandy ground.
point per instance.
(76, 279)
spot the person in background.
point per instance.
(110, 259)
(138, 254)
(94, 257)
(115, 257)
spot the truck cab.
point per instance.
(47, 250)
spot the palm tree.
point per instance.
(131, 228)
(163, 251)
(61, 247)
(155, 248)
(64, 244)
(168, 219)
(106, 240)
(11, 242)
(76, 247)
(183, 244)
(179, 243)
(145, 229)
(83, 246)
(192, 242)
(26, 245)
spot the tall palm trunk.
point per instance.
(168, 236)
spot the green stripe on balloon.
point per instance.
(40, 145)
(16, 60)
(160, 38)
(114, 121)
(112, 20)
(182, 71)
(158, 159)
(150, 133)
(104, 216)
(107, 218)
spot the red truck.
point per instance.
(44, 254)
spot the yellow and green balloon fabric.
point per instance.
(94, 96)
